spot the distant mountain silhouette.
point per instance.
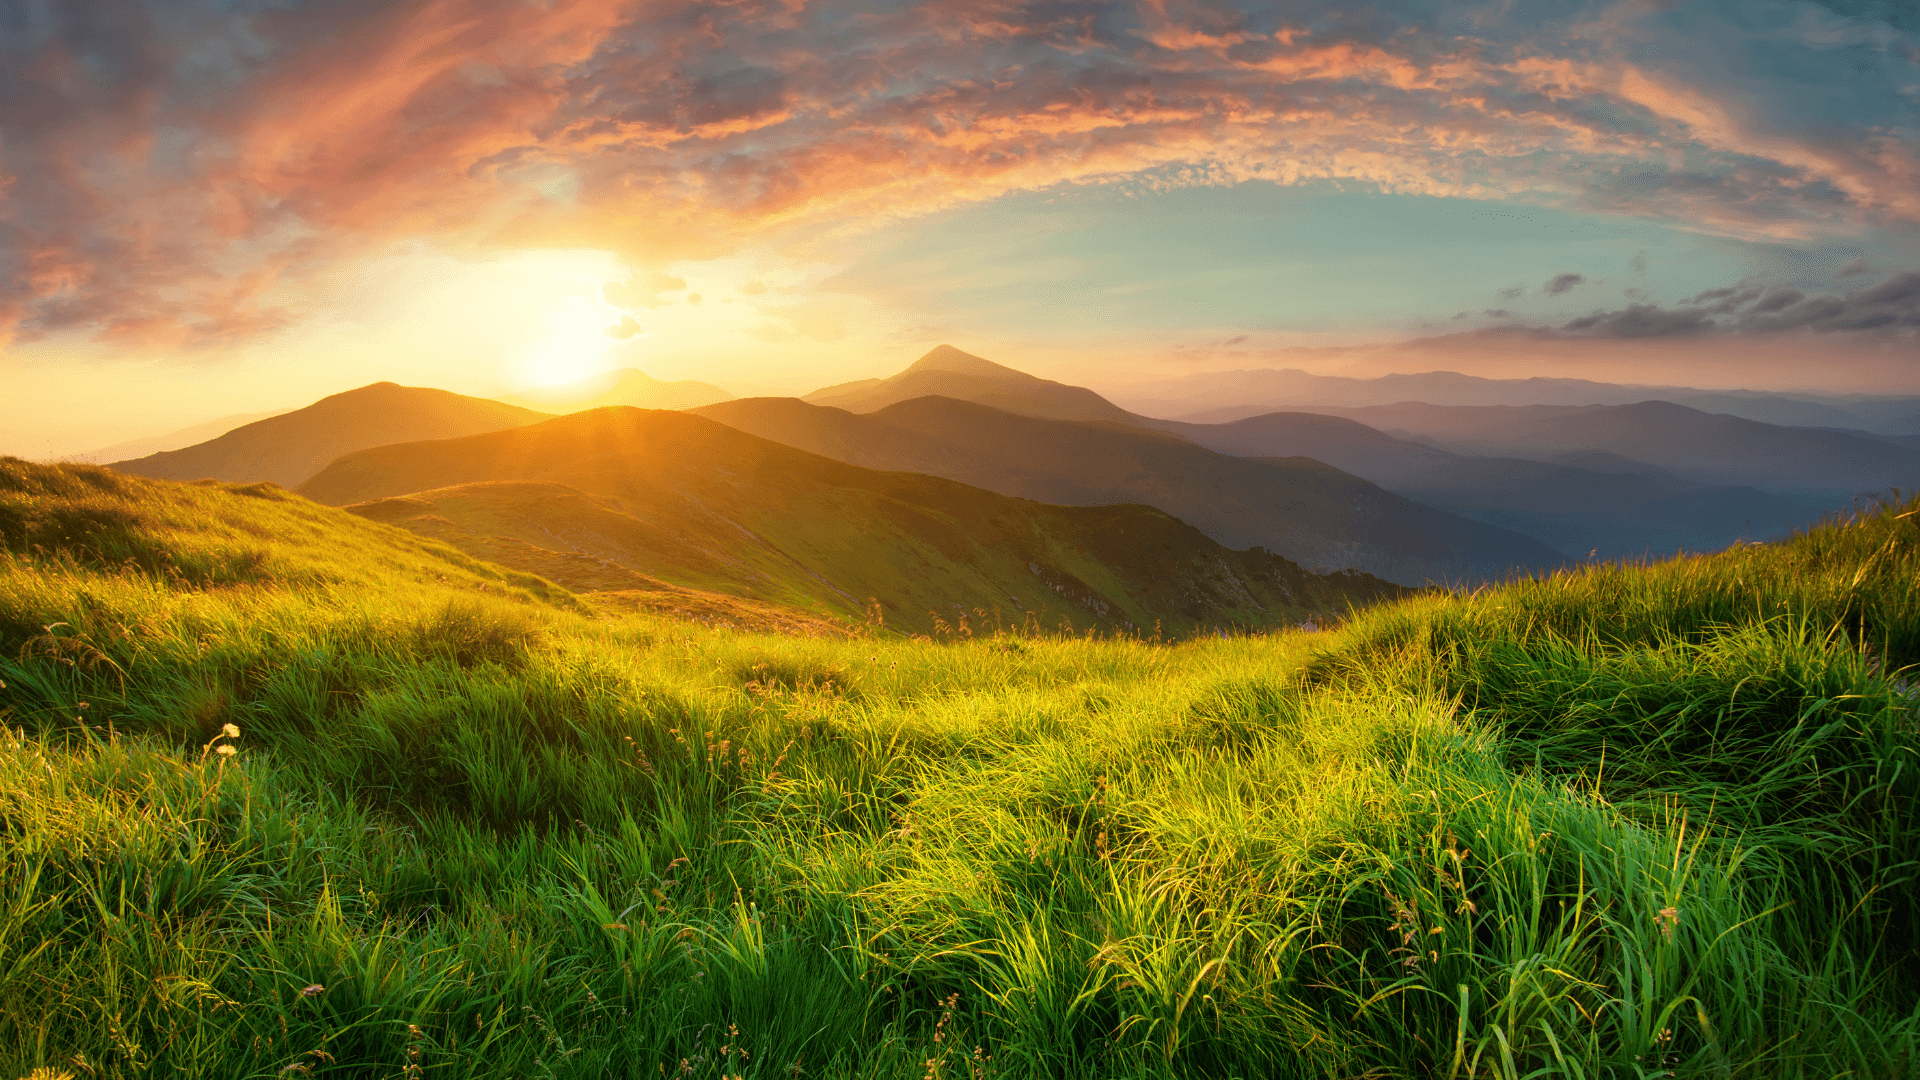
(627, 386)
(174, 440)
(1579, 502)
(948, 372)
(1697, 446)
(289, 448)
(1224, 396)
(1312, 513)
(634, 495)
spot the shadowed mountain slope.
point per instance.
(948, 372)
(289, 448)
(1703, 447)
(1312, 513)
(627, 386)
(688, 500)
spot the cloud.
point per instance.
(1561, 283)
(169, 173)
(1854, 268)
(1511, 292)
(1892, 305)
(642, 290)
(624, 329)
(1497, 313)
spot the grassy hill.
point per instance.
(1626, 822)
(1315, 515)
(694, 502)
(288, 448)
(947, 372)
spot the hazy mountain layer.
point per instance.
(289, 448)
(1224, 396)
(1312, 513)
(692, 501)
(1707, 448)
(1586, 502)
(174, 440)
(627, 386)
(948, 372)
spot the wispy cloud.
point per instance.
(163, 169)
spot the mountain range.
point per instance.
(1702, 447)
(1580, 502)
(1410, 492)
(1224, 396)
(646, 494)
(1311, 513)
(1579, 498)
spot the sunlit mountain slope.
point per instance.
(289, 448)
(694, 502)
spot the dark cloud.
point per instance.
(1561, 283)
(1640, 320)
(1497, 313)
(1893, 304)
(1511, 292)
(1855, 268)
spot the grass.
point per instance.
(1629, 822)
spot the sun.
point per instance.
(573, 346)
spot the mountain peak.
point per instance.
(948, 358)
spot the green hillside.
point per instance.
(1630, 822)
(691, 501)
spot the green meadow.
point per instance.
(289, 793)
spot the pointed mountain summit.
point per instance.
(289, 448)
(948, 372)
(947, 358)
(626, 386)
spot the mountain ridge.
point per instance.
(289, 448)
(686, 499)
(1317, 516)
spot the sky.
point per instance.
(211, 207)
